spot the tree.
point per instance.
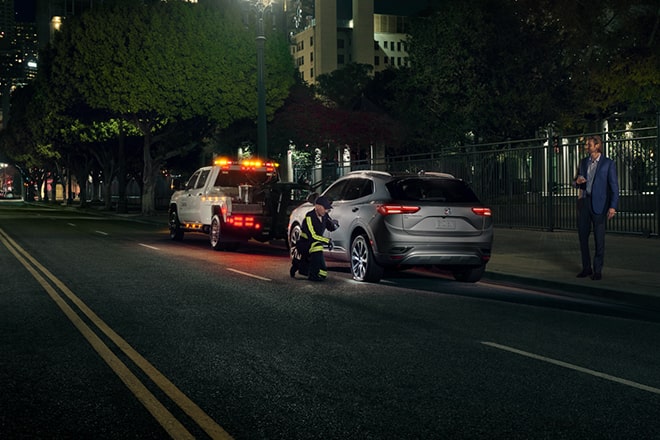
(609, 48)
(480, 71)
(346, 86)
(157, 64)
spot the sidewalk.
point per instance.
(631, 272)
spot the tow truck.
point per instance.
(234, 201)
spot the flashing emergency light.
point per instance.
(246, 164)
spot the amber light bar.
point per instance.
(246, 164)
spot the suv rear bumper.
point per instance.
(433, 254)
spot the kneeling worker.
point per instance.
(311, 242)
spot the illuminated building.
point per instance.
(323, 43)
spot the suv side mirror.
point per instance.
(312, 197)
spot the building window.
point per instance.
(385, 60)
(311, 72)
(376, 60)
(311, 41)
(311, 57)
(340, 59)
(398, 46)
(376, 47)
(340, 44)
(385, 44)
(398, 61)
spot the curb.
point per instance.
(649, 303)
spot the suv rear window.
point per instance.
(431, 190)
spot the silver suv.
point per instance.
(395, 222)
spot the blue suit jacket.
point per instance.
(605, 189)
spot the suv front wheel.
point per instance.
(363, 263)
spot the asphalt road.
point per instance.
(109, 330)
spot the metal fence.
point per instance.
(527, 183)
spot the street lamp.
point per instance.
(262, 144)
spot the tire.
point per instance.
(176, 233)
(215, 237)
(215, 233)
(363, 263)
(294, 236)
(470, 274)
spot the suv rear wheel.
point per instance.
(363, 264)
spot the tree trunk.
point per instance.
(107, 194)
(122, 204)
(148, 178)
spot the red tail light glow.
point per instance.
(397, 209)
(242, 221)
(482, 211)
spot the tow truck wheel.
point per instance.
(176, 233)
(215, 233)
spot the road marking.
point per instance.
(101, 232)
(149, 247)
(72, 224)
(575, 367)
(249, 274)
(166, 419)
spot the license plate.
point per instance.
(445, 224)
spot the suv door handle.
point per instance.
(356, 209)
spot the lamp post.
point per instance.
(262, 144)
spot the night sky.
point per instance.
(25, 10)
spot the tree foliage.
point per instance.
(489, 70)
(159, 64)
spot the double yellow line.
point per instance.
(166, 419)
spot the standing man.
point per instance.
(599, 188)
(309, 248)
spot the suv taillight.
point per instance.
(482, 211)
(397, 209)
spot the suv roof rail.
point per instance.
(436, 174)
(371, 172)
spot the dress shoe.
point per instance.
(597, 276)
(585, 273)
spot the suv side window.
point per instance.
(356, 188)
(334, 192)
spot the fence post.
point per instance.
(550, 220)
(657, 172)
